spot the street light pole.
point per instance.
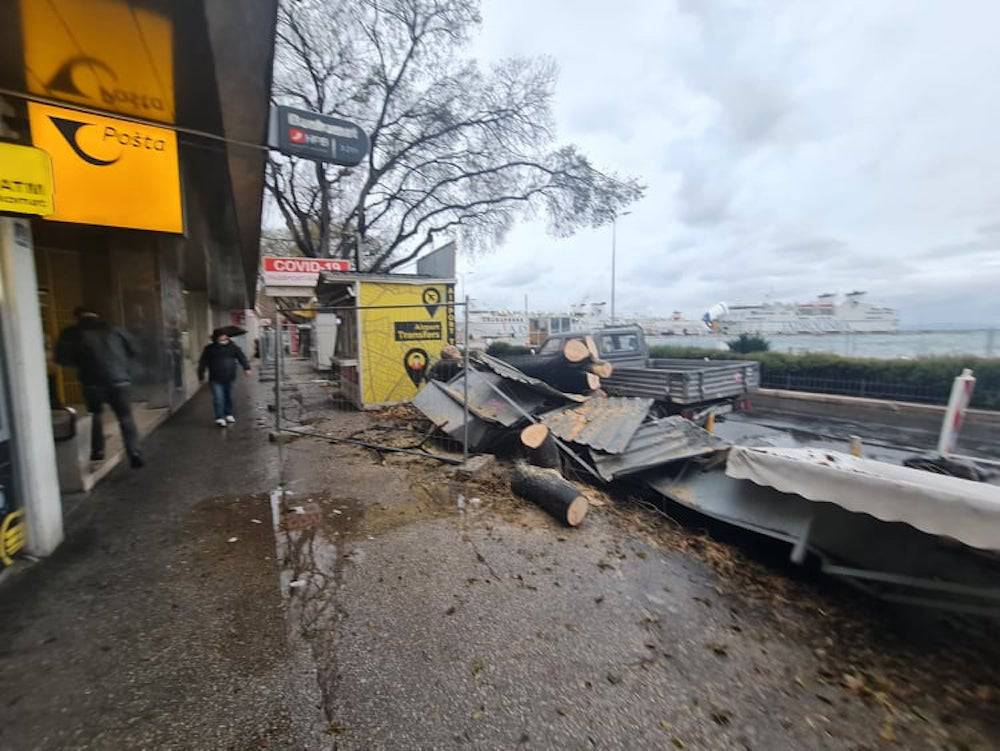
(614, 233)
(614, 242)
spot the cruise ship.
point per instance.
(675, 325)
(825, 315)
(530, 328)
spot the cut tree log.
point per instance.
(548, 489)
(540, 447)
(534, 435)
(546, 455)
(573, 381)
(601, 368)
(595, 353)
(574, 350)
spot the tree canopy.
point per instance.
(456, 149)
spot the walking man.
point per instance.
(220, 359)
(101, 354)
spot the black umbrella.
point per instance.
(232, 330)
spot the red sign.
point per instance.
(298, 272)
(296, 136)
(304, 265)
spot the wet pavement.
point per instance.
(443, 613)
(147, 628)
(393, 605)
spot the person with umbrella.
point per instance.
(219, 359)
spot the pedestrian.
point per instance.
(220, 359)
(101, 354)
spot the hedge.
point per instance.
(925, 379)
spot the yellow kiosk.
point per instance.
(392, 328)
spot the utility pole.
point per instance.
(614, 239)
(614, 232)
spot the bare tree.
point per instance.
(455, 149)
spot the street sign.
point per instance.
(318, 137)
(298, 272)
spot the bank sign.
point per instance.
(318, 137)
(298, 272)
(108, 171)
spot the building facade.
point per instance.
(153, 117)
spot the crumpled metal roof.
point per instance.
(507, 371)
(655, 443)
(604, 424)
(486, 404)
(440, 407)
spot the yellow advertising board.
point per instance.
(110, 172)
(25, 180)
(113, 55)
(398, 343)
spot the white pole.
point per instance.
(30, 419)
(465, 380)
(961, 395)
(614, 232)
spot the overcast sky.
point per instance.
(789, 148)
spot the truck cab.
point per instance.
(620, 345)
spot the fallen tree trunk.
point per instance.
(534, 435)
(540, 447)
(575, 350)
(600, 368)
(573, 378)
(573, 381)
(592, 347)
(548, 489)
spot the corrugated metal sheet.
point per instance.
(488, 405)
(441, 409)
(509, 372)
(656, 443)
(604, 424)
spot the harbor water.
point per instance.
(903, 344)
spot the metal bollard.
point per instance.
(961, 395)
(856, 446)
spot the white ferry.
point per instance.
(530, 327)
(675, 325)
(825, 315)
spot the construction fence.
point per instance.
(357, 367)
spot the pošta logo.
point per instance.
(63, 81)
(70, 130)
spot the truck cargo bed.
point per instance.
(685, 381)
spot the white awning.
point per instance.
(964, 510)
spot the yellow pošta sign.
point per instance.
(112, 55)
(399, 344)
(110, 172)
(25, 180)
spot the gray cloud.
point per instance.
(522, 275)
(790, 149)
(817, 247)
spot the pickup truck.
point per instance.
(688, 387)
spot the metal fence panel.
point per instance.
(383, 356)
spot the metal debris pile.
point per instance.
(600, 436)
(897, 533)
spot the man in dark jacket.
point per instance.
(101, 355)
(220, 359)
